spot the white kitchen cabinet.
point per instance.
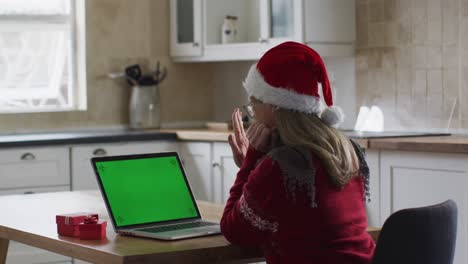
(33, 170)
(196, 158)
(414, 179)
(20, 253)
(210, 168)
(261, 24)
(185, 27)
(330, 26)
(83, 177)
(34, 167)
(224, 171)
(373, 207)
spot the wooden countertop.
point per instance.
(221, 135)
(442, 144)
(200, 134)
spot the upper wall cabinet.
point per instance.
(197, 27)
(330, 26)
(186, 23)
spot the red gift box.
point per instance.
(68, 224)
(92, 229)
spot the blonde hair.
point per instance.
(334, 150)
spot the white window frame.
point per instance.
(77, 55)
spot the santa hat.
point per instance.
(287, 76)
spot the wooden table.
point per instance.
(30, 219)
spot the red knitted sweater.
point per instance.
(296, 218)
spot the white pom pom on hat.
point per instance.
(332, 116)
(288, 75)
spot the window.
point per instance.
(41, 56)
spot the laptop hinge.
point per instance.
(161, 224)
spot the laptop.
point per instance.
(148, 195)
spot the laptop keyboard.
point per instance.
(160, 229)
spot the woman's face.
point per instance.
(263, 112)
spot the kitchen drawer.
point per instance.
(34, 167)
(83, 177)
(20, 253)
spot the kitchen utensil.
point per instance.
(144, 110)
(159, 76)
(133, 73)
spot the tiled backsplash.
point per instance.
(412, 61)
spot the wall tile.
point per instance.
(419, 21)
(450, 56)
(381, 89)
(450, 19)
(419, 83)
(376, 11)
(419, 31)
(404, 57)
(434, 93)
(419, 9)
(404, 102)
(419, 57)
(404, 80)
(376, 34)
(404, 31)
(362, 12)
(436, 122)
(403, 9)
(362, 87)
(434, 32)
(450, 81)
(391, 34)
(464, 94)
(434, 82)
(434, 17)
(426, 61)
(465, 7)
(374, 58)
(362, 60)
(434, 9)
(362, 33)
(434, 57)
(464, 43)
(389, 59)
(390, 10)
(419, 92)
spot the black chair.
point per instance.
(424, 235)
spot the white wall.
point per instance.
(342, 75)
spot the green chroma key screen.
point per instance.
(146, 190)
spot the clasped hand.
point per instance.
(261, 137)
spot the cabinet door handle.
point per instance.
(99, 152)
(29, 192)
(196, 44)
(263, 40)
(28, 156)
(215, 164)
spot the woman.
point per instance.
(300, 192)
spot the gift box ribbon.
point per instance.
(90, 220)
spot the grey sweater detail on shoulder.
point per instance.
(297, 169)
